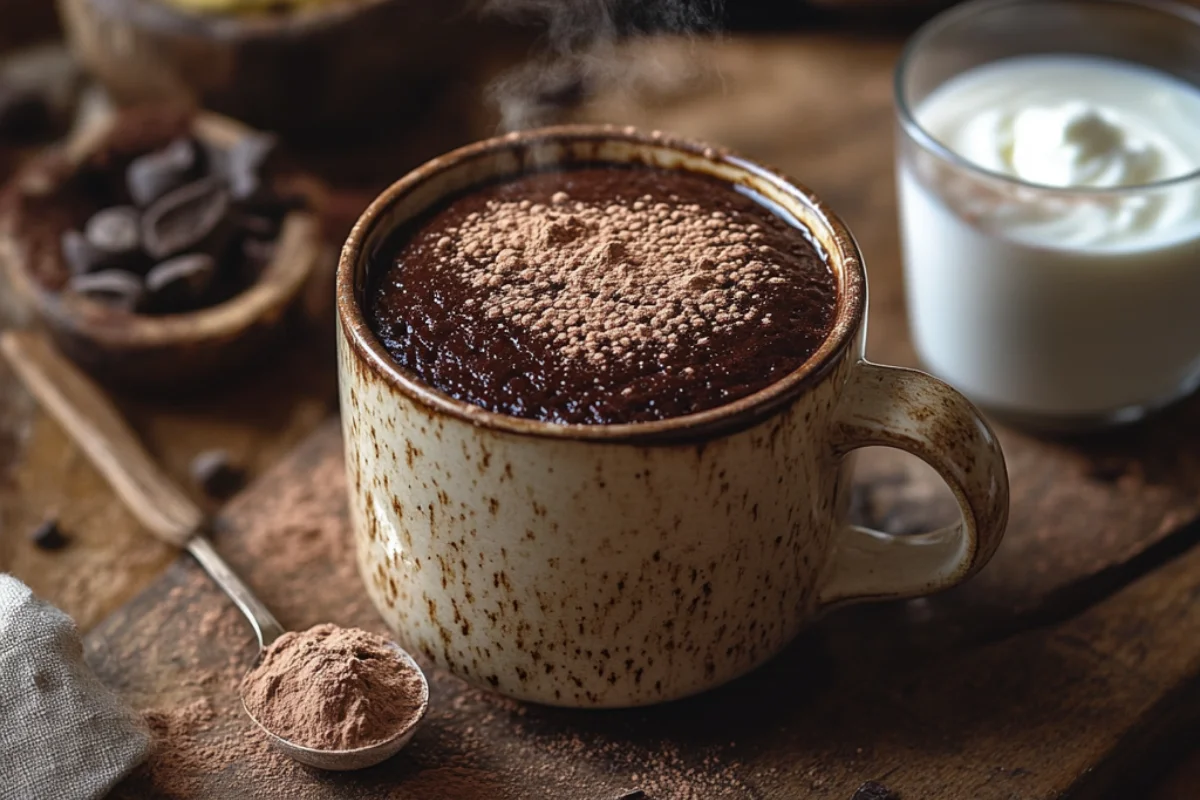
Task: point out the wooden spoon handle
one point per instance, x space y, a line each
95 424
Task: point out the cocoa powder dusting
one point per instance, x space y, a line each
333 688
603 295
598 279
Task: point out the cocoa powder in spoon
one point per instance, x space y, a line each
332 688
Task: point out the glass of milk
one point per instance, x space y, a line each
1049 186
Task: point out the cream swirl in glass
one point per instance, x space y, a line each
1052 250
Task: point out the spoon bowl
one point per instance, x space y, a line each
361 757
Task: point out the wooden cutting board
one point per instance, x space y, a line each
1051 673
963 708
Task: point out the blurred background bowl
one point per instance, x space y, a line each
161 352
322 68
24 22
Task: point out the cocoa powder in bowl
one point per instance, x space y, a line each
332 688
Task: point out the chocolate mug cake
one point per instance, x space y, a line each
582 470
603 295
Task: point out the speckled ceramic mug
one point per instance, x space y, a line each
622 565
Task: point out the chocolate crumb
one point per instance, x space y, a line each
48 536
873 790
215 473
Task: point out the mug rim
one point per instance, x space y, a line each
844 258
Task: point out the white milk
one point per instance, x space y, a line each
1038 301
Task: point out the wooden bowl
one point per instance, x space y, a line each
159 352
349 63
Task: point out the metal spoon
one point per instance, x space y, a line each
95 424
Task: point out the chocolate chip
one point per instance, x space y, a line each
151 176
246 163
24 112
636 794
873 790
214 472
115 231
185 219
78 253
48 536
180 283
112 287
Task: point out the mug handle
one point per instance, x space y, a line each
917 413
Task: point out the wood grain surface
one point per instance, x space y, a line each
1028 715
96 426
110 556
1043 675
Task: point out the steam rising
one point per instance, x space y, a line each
581 36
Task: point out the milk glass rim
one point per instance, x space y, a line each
918 134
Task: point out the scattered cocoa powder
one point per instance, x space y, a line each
597 279
196 743
333 688
190 648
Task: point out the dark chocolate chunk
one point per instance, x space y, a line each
80 256
187 218
636 794
215 473
151 176
24 112
873 790
115 231
247 162
112 287
48 536
182 282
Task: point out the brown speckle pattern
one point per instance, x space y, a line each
613 569
628 575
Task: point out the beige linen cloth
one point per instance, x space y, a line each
63 734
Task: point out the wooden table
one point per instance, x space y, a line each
756 95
